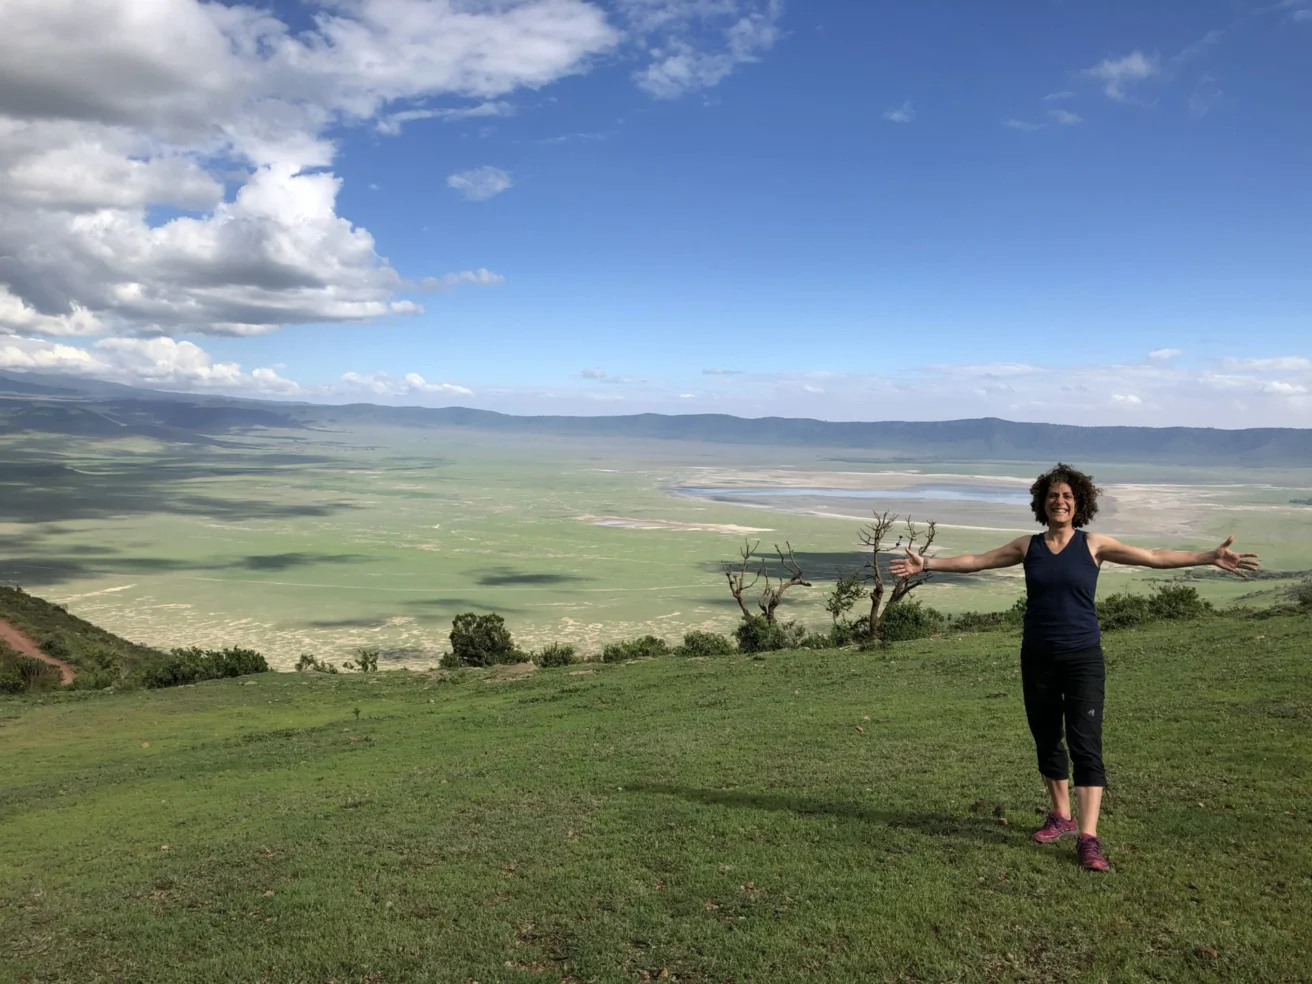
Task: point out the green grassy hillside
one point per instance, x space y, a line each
821 816
66 636
101 658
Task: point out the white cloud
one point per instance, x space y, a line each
1056 96
722 372
1285 389
482 277
1119 75
392 124
1065 117
383 384
696 44
1126 399
163 363
481 183
601 376
1279 364
1163 354
1015 124
111 109
901 114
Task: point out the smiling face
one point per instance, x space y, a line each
1060 504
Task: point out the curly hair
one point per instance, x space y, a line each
1086 494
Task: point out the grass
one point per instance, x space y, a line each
819 816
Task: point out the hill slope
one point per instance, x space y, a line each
818 816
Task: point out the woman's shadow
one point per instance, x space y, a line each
987 829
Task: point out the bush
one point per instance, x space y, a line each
366 661
189 665
705 644
482 640
100 667
309 661
759 635
642 648
910 620
22 675
1303 595
555 655
1123 611
1176 601
1012 618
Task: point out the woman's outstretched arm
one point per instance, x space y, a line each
1008 556
1107 548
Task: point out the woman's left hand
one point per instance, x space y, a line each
1236 563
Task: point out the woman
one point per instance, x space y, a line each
1062 670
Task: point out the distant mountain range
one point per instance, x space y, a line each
57 404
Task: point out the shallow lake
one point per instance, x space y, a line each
956 492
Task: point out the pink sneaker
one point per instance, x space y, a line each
1055 827
1089 851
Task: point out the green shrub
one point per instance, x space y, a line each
698 643
192 664
1303 596
308 661
1011 618
759 635
482 640
1177 601
22 675
366 661
910 620
1123 611
641 648
555 655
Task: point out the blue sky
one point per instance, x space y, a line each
1044 211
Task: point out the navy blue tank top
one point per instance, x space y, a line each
1060 616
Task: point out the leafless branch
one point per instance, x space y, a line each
737 577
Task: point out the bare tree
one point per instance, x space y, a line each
873 536
737 577
772 592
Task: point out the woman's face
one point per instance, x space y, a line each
1060 503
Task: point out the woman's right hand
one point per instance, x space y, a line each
908 566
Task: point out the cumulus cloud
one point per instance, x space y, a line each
1065 117
1126 399
1162 354
1119 75
163 363
163 162
480 183
696 44
384 384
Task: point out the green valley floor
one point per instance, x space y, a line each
828 817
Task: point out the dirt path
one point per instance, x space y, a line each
20 643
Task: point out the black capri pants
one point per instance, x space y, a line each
1069 688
